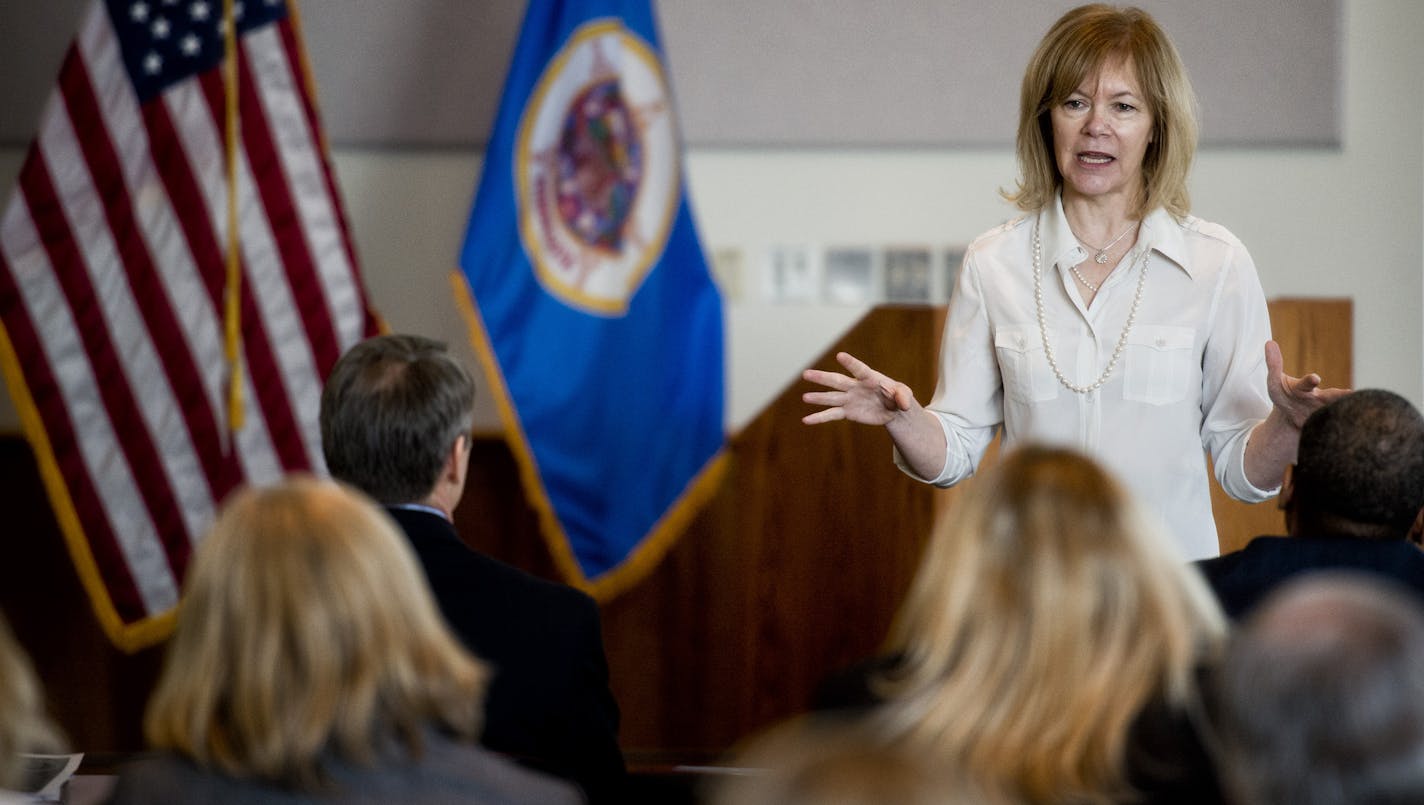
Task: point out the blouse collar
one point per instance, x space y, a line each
1160 233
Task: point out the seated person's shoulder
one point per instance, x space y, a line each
554 593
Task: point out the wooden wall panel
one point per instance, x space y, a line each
794 569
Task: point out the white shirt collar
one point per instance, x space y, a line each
1160 233
419 507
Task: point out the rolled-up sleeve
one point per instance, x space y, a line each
968 399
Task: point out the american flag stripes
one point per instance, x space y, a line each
112 281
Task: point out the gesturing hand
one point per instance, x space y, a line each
866 396
1295 397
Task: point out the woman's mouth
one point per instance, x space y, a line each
1094 158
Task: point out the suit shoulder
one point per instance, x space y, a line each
1218 568
532 585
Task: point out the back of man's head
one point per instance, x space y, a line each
1360 467
1320 698
391 411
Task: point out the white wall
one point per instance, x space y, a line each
1346 222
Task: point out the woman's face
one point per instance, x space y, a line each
1100 134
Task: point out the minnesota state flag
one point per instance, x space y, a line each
594 313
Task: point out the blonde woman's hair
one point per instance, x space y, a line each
1047 612
828 760
24 724
306 632
1077 47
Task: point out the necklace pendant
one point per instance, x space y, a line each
1101 259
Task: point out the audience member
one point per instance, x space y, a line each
1049 646
309 663
396 414
1320 698
1353 499
24 725
833 761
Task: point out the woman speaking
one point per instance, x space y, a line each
1106 318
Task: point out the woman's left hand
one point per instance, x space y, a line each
1295 398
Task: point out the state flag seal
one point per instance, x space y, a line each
596 168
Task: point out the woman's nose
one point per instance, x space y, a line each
1096 122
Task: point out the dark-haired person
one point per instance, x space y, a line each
1107 318
1353 499
396 414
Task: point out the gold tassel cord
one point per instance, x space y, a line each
232 313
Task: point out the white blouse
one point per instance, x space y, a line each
1192 373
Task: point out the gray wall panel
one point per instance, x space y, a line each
758 73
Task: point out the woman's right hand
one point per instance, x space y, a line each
865 396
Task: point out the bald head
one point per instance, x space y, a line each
1321 695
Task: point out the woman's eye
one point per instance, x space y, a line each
1126 107
1075 104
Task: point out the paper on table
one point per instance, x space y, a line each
45 775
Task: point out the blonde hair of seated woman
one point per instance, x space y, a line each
307 633
1048 611
24 724
819 760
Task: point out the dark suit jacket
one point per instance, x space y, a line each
1243 578
446 772
549 704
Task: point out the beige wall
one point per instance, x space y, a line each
1347 222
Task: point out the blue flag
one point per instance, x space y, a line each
594 312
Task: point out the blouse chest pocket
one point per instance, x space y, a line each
1023 365
1157 368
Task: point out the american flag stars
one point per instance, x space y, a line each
165 41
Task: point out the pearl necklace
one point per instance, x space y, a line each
1043 329
1083 279
1102 254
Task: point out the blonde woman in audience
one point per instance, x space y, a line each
1049 644
24 725
310 664
818 760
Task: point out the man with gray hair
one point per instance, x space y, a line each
1320 697
396 414
1353 499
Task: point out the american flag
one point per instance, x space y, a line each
112 283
